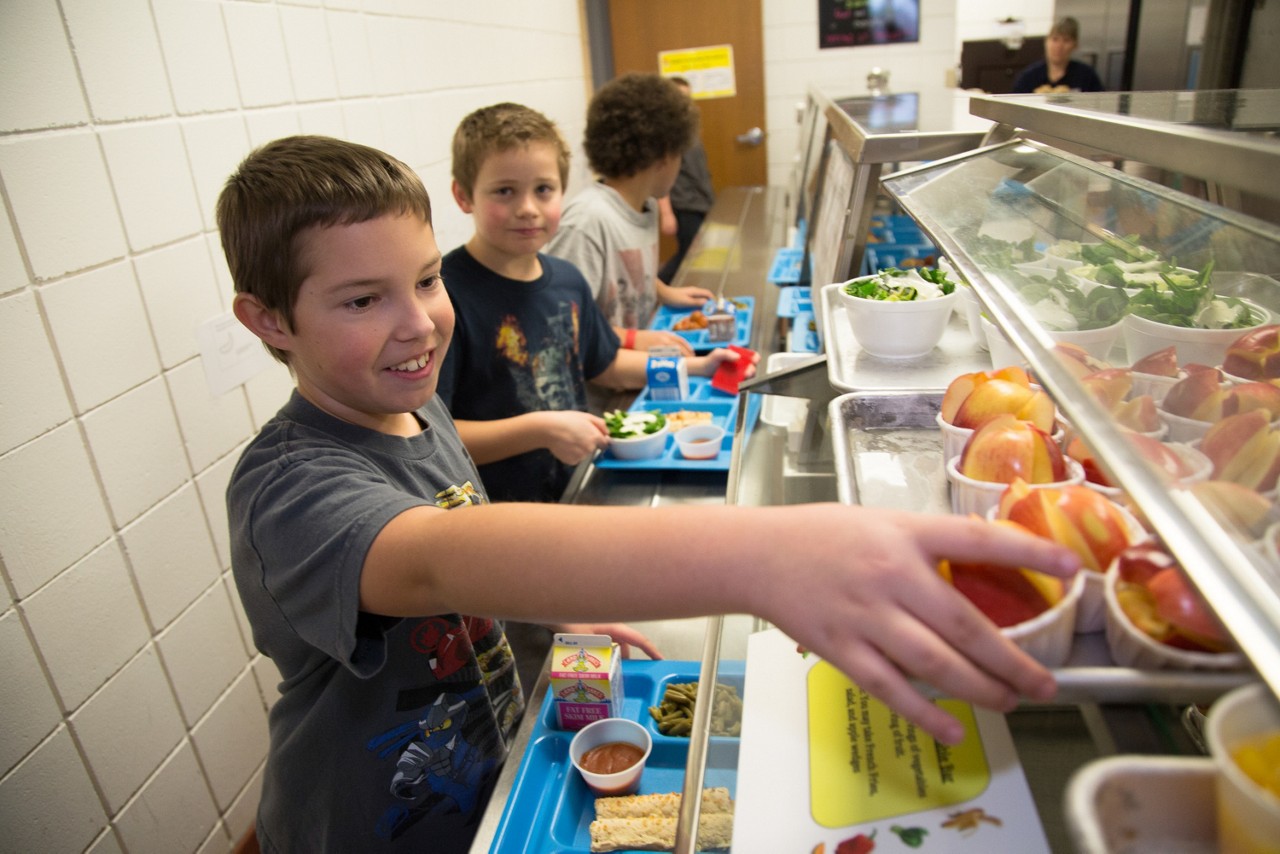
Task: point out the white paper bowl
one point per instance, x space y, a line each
647 447
972 307
1096 342
979 496
1048 636
1131 647
953 437
898 330
1152 384
606 731
1200 346
1248 815
1183 429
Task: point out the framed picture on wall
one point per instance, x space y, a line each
852 23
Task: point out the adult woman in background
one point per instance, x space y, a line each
1058 72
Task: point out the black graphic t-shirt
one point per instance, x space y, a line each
521 347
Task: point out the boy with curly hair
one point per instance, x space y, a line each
638 128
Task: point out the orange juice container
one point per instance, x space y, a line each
586 679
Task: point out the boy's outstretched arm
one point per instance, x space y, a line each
682 297
571 436
857 586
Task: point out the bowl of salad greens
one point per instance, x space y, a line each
899 314
637 434
1183 310
1086 314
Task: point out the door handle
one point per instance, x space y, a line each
755 136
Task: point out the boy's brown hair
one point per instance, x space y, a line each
293 184
497 128
636 120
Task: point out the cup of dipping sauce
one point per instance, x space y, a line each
610 755
700 441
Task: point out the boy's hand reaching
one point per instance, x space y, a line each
572 436
623 635
647 338
875 607
705 366
687 296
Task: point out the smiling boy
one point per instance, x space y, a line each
375 573
529 336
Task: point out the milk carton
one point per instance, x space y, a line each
668 376
586 679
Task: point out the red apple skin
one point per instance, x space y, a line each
1244 449
1077 360
1075 516
1161 363
962 386
1255 355
1162 456
1198 395
1182 607
1004 448
1253 395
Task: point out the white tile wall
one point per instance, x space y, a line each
48 802
120 84
96 596
177 789
62 201
128 728
144 158
172 556
138 450
28 372
27 703
135 705
51 510
202 652
41 89
232 740
101 333
180 291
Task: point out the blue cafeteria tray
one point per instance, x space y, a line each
792 301
879 256
665 317
550 809
803 335
786 266
702 396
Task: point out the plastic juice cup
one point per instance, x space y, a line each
606 731
700 441
1248 815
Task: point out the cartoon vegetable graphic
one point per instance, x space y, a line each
912 837
860 844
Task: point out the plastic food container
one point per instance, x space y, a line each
1201 346
1248 815
1142 805
700 441
607 731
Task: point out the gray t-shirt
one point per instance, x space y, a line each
389 731
616 248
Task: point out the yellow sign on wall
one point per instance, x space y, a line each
709 70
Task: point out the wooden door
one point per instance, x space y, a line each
641 28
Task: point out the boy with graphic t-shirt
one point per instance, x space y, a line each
528 337
374 573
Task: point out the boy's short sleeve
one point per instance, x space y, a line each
583 249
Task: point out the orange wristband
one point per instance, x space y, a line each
630 340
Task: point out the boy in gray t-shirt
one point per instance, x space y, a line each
374 572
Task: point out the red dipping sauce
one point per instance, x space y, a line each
611 758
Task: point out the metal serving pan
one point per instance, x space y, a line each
888 453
